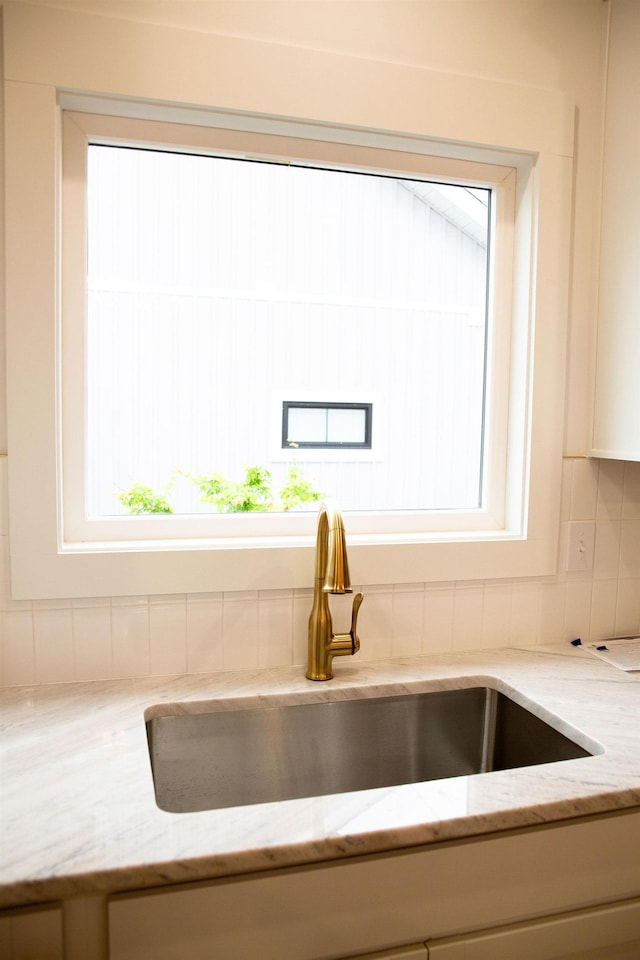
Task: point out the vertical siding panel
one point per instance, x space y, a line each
171 370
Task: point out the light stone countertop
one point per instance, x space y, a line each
77 807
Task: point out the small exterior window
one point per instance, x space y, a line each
333 425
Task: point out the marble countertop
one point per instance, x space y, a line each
77 806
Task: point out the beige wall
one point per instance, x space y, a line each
554 44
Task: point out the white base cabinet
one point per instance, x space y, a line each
31 933
449 890
606 933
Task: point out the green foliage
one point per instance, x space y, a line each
139 499
297 490
252 494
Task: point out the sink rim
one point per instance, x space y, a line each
365 691
286 773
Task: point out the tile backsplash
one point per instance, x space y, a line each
62 640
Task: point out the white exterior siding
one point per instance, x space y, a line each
372 294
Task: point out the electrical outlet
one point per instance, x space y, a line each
580 545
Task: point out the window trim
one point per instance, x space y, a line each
82 534
534 128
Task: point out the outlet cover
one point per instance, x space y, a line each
580 545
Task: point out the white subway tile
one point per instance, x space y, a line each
563 541
408 620
53 636
496 615
168 636
302 601
525 604
438 620
606 560
275 629
92 642
242 596
130 638
81 603
630 549
204 633
551 612
467 618
584 489
627 619
577 610
565 489
17 652
603 609
52 604
141 602
610 489
240 631
631 491
5 587
375 623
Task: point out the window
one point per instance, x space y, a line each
215 282
332 425
57 548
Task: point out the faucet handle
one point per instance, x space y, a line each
357 601
348 643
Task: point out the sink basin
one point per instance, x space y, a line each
232 757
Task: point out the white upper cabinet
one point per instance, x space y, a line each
616 426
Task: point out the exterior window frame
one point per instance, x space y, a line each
364 444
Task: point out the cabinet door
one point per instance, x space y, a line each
607 933
417 951
616 427
31 934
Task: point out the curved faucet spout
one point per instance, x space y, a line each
332 565
331 576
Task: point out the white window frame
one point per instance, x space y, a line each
44 561
79 533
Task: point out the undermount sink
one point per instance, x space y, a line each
233 757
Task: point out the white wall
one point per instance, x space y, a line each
557 45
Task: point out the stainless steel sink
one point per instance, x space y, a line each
233 757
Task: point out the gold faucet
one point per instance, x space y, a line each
331 576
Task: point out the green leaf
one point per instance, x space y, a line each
140 499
